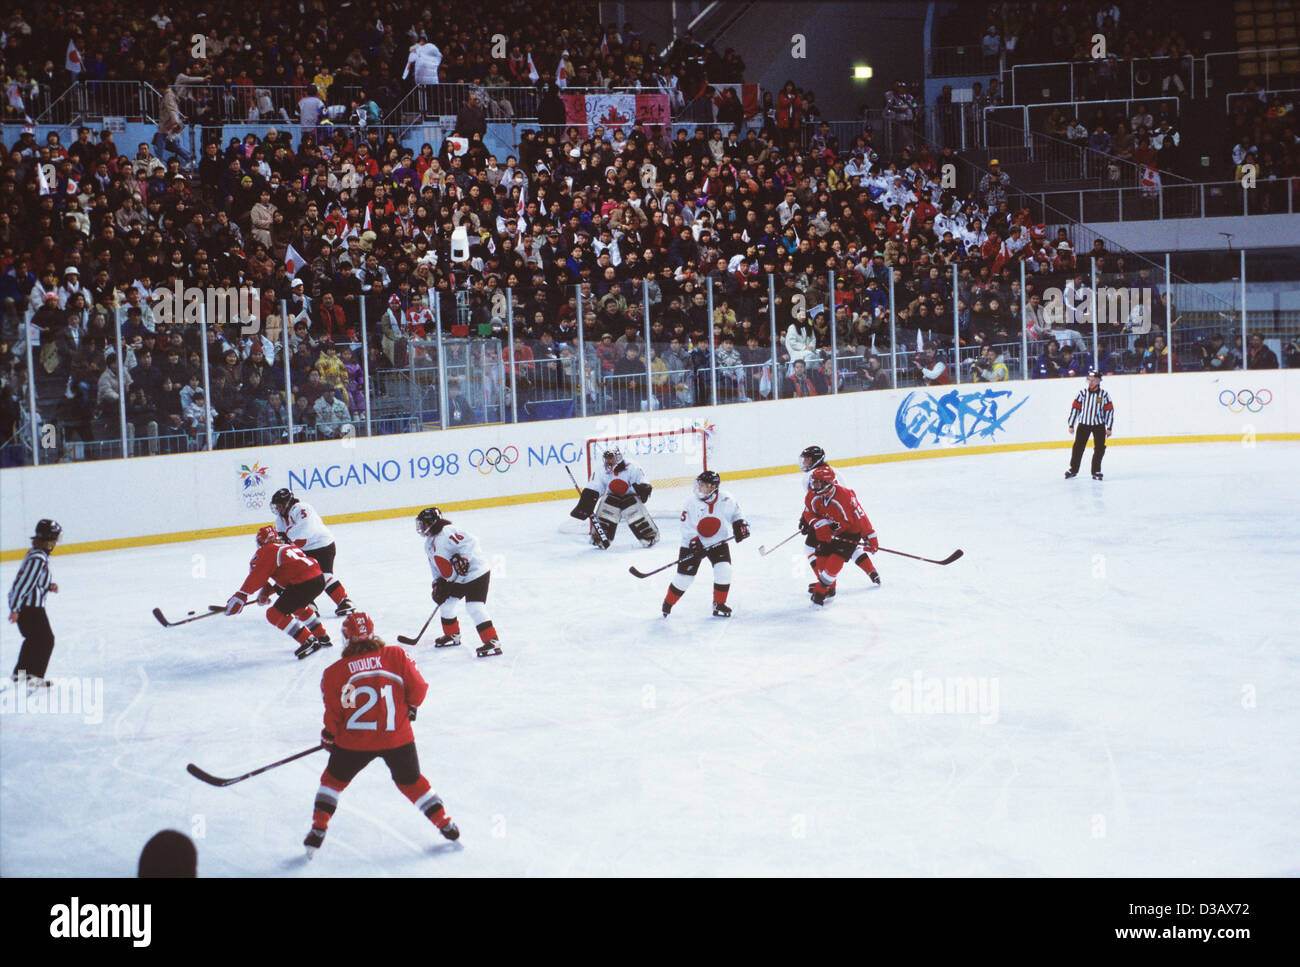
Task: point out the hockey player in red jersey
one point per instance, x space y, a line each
283 568
371 694
835 525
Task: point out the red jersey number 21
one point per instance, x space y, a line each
372 698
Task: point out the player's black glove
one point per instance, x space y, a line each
586 504
740 529
805 528
441 591
327 739
696 549
642 491
460 563
410 712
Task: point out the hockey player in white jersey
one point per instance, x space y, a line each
459 571
617 490
705 519
298 523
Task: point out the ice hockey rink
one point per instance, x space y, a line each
1106 684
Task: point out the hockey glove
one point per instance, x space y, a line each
327 739
460 563
642 491
441 591
236 603
586 504
740 529
697 549
410 712
873 542
264 596
805 528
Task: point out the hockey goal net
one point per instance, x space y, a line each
671 459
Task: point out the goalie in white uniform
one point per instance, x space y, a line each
705 519
616 491
459 571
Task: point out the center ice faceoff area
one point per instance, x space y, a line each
1105 684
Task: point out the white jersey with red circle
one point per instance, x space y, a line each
617 483
302 527
446 546
709 520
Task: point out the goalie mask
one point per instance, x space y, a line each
613 459
811 458
706 485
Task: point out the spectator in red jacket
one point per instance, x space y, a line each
330 323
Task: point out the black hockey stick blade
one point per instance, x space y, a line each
403 639
645 574
212 609
212 780
928 560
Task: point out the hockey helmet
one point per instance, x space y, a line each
47 530
283 498
811 458
358 627
1093 374
823 480
706 484
613 458
429 521
267 535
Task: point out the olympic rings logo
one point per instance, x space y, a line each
493 458
1245 400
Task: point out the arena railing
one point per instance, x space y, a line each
1148 77
1160 202
472 361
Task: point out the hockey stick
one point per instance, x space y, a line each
645 574
573 480
947 560
764 551
416 640
212 780
212 609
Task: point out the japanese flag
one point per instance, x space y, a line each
293 262
366 225
458 146
41 181
561 75
532 70
72 60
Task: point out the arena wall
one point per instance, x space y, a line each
163 499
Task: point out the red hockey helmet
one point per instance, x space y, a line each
266 535
358 627
822 480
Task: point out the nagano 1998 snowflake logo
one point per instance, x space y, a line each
253 479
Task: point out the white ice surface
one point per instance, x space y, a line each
1141 634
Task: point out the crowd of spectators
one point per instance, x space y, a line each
1055 31
1262 133
283 61
569 219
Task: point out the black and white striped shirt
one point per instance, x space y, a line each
1092 408
33 581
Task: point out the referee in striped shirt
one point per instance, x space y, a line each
27 605
1091 413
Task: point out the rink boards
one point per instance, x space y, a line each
155 500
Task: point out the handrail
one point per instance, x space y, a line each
1258 95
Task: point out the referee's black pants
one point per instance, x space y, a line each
38 642
1081 434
